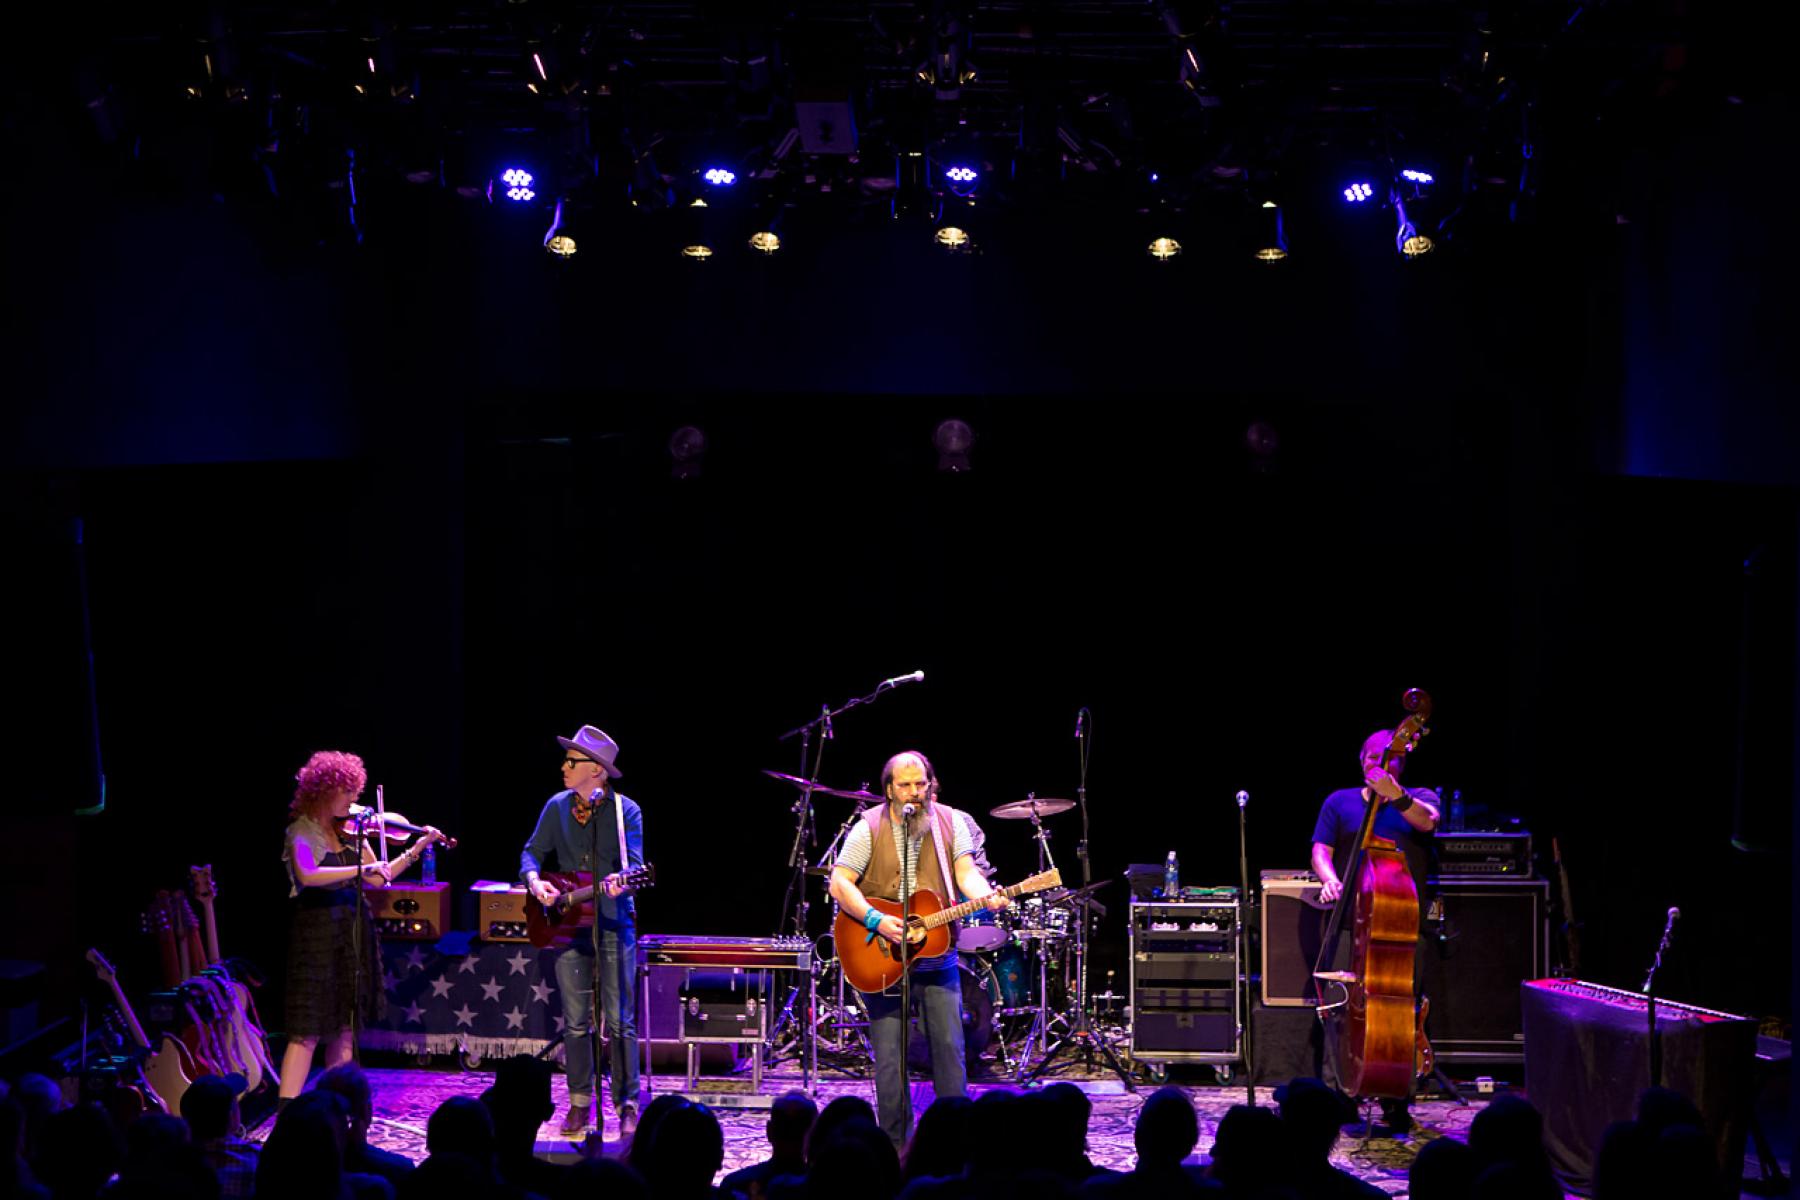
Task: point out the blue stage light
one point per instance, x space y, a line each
1417 176
1356 193
962 174
719 176
518 184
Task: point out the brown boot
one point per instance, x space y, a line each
581 1117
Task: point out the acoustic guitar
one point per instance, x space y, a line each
876 965
240 1032
557 924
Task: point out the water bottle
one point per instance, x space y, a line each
428 864
1454 822
1171 878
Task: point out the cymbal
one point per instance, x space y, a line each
820 789
1021 810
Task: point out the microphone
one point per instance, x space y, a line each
907 811
1080 721
1670 927
1243 798
896 681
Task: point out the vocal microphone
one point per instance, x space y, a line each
1080 721
896 681
1670 927
1243 798
907 811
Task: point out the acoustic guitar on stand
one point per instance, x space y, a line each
875 966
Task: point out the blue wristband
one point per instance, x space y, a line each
872 919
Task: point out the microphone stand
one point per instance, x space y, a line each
906 882
1650 1000
1243 949
1080 1030
804 832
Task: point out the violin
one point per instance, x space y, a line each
390 825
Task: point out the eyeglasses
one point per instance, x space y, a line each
569 762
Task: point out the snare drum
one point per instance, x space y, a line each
1037 919
983 931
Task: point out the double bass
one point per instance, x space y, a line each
1380 1023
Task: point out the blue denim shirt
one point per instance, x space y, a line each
591 847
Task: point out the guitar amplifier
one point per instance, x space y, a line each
499 910
1293 929
410 912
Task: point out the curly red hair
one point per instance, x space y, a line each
324 773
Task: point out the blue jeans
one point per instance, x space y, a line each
937 996
618 1001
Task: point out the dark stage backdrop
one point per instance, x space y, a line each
1233 622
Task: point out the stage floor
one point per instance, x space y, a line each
405 1099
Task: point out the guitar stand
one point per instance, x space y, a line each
1448 1084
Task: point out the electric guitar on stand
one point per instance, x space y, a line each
168 1068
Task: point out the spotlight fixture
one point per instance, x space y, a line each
1164 249
951 237
1271 238
518 184
765 241
557 239
687 447
1358 192
697 252
1413 176
961 174
953 439
719 176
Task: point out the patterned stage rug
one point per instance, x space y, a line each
405 1098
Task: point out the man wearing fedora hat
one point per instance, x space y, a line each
590 826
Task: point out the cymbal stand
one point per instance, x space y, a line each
1081 1034
1039 1034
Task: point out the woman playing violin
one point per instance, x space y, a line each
334 958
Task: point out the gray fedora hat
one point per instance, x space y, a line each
596 745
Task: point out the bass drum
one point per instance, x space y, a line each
978 991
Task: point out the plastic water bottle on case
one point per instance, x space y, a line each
1171 878
428 865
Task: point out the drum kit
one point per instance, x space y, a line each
1021 966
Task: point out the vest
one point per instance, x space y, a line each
882 879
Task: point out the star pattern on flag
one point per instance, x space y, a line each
502 991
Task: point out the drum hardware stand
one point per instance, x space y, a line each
1081 1033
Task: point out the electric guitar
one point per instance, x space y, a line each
876 965
168 1069
558 924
